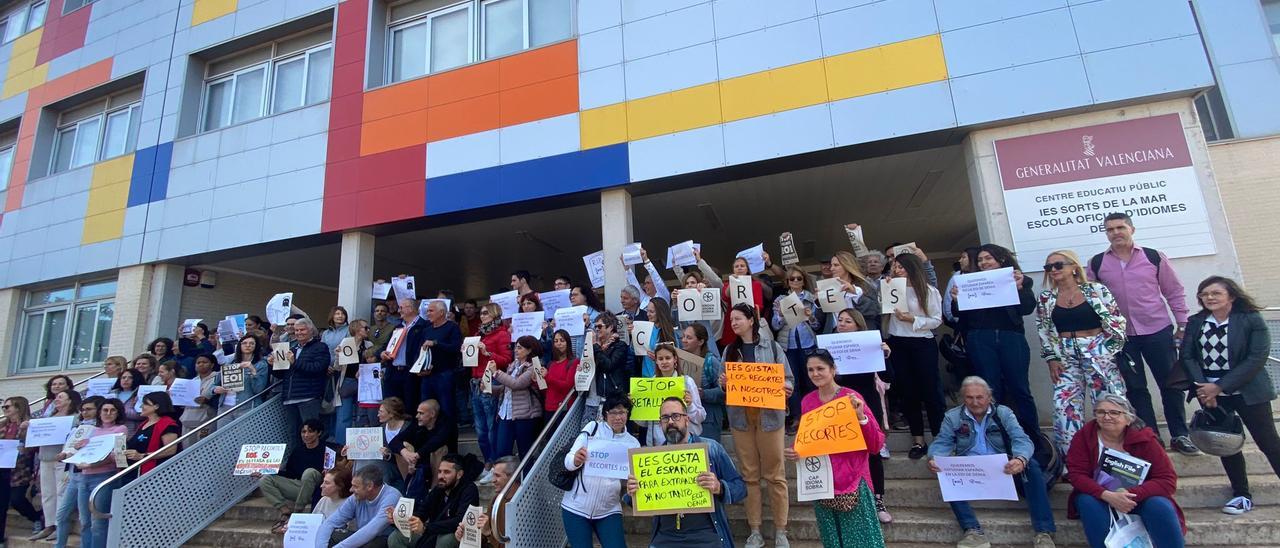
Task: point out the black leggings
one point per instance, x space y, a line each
17 497
1257 418
865 385
915 363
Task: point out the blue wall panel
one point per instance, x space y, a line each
1147 69
1020 91
1115 23
1009 43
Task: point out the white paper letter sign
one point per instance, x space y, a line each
830 296
507 302
526 323
740 291
857 352
814 480
975 478
986 289
640 333
792 309
347 352
595 268
471 352
302 531
687 302
893 295
282 356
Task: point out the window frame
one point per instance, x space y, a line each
134 108
34 316
6 173
24 22
425 18
86 3
484 28
266 106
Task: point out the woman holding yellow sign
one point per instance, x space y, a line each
849 519
668 365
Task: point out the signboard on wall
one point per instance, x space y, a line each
1059 186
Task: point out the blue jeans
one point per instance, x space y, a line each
1037 504
439 386
579 529
344 416
1158 515
93 531
484 411
1002 358
516 433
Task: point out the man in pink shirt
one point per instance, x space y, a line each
1147 290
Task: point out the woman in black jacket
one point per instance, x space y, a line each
614 360
1224 350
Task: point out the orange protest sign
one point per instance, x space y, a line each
755 385
830 429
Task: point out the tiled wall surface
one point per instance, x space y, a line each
646 89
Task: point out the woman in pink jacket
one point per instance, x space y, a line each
849 519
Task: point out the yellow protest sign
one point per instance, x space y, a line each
647 396
755 385
830 429
668 479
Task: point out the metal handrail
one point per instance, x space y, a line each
93 497
73 385
528 460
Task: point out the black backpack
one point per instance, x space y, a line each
1045 454
1153 256
559 477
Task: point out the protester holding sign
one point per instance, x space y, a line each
856 290
126 390
158 429
53 475
695 340
347 380
250 361
290 489
664 331
438 512
983 427
669 365
1116 427
613 355
995 341
915 351
335 330
401 352
560 371
519 411
582 295
1081 331
758 434
15 482
703 277
594 504
872 390
797 325
740 268
442 337
851 518
206 403
367 509
305 378
494 347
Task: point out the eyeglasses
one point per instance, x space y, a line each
1207 294
5 406
1057 265
672 417
617 413
1109 413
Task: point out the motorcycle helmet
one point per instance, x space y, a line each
1217 432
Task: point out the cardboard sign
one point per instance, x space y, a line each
595 268
754 256
830 296
97 450
647 395
830 429
694 364
404 288
987 289
369 383
640 333
508 302
400 516
814 480
99 387
788 244
538 379
587 365
975 478
740 291
51 430
189 327
471 352
348 353
631 254
856 352
302 530
792 309
570 320
380 290
184 392
755 385
282 356
668 479
364 443
553 301
681 254
893 295
470 531
279 308
233 378
261 458
856 239
607 459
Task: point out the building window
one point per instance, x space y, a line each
69 6
7 144
66 327
1272 9
283 75
1212 112
27 17
426 36
101 129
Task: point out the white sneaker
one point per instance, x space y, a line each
780 541
884 451
756 540
486 478
1237 506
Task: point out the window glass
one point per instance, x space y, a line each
17 25
82 335
96 290
135 121
289 80
6 166
66 141
549 21
303 42
450 40
116 139
36 20
409 52
248 95
85 151
31 341
102 337
67 326
1272 9
232 64
319 75
503 27
405 10
217 105
51 296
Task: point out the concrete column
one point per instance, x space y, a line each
615 233
165 301
10 320
355 273
132 307
993 222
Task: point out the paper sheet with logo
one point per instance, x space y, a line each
470 531
279 308
364 443
404 288
51 430
302 530
986 289
856 352
814 479
261 458
96 450
403 511
975 478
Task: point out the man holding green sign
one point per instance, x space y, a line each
685 484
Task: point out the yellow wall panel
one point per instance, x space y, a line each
855 73
746 96
112 171
100 228
107 198
914 62
208 10
698 106
24 81
28 42
603 126
799 85
649 117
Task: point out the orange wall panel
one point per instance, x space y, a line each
396 99
464 83
463 117
538 101
395 132
539 65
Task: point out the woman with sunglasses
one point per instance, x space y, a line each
15 482
1081 330
495 346
915 350
800 339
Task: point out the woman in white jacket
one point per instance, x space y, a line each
594 504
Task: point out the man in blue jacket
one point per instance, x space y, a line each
721 479
304 379
981 427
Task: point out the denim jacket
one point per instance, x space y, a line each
732 489
957 435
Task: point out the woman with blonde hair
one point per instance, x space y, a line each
860 293
1081 331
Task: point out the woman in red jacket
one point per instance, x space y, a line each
1123 436
495 346
561 369
740 268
